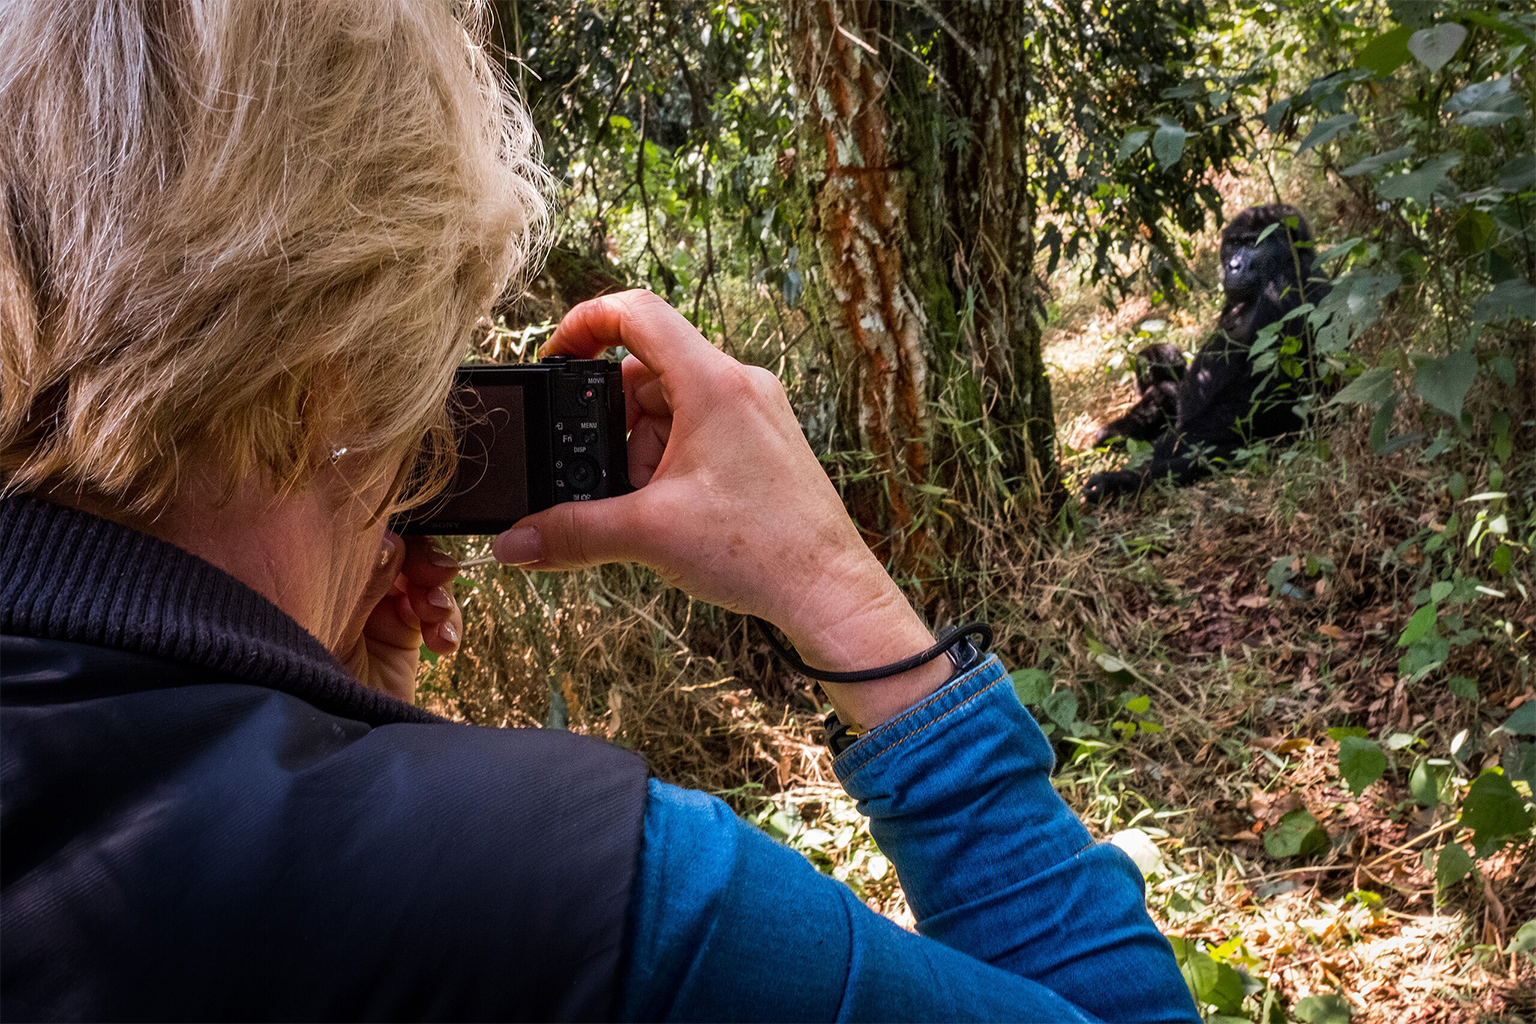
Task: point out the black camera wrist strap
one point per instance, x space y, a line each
954 641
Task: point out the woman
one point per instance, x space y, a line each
243 245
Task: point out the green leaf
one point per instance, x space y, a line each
1372 387
1372 164
1333 252
1327 1008
1386 53
1381 423
1434 47
1296 835
1361 762
619 121
1512 298
1211 983
1452 866
1168 144
1519 763
1031 684
1522 721
1134 140
1061 708
1327 130
1524 940
1475 231
1494 811
1422 183
1419 626
1484 104
1462 686
1339 733
1140 705
1519 173
1444 383
1276 111
1427 781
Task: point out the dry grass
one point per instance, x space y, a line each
1246 682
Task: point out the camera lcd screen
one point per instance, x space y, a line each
494 436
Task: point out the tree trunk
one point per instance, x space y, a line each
877 327
926 249
994 254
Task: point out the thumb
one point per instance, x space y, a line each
574 535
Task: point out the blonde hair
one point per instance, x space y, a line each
243 233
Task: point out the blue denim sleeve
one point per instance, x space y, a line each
1021 916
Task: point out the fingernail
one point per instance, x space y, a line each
438 597
442 559
387 549
518 547
450 632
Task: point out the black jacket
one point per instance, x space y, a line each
202 816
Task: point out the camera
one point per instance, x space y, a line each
531 435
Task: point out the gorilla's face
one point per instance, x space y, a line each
1256 250
1247 264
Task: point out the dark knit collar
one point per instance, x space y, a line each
70 575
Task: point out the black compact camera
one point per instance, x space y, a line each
531 435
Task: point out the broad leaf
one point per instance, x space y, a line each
1434 47
1444 383
1522 721
1327 130
1519 763
1061 708
1134 140
1326 1008
1419 626
1420 184
1493 810
1361 762
1168 144
1427 781
1451 867
1484 104
1524 940
1031 684
1519 173
1372 387
1296 835
1372 164
1512 298
1386 53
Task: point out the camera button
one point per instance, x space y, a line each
582 475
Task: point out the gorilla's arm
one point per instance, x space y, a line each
1155 413
1174 458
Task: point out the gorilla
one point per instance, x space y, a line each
1221 403
1159 368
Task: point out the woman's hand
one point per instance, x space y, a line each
408 602
732 506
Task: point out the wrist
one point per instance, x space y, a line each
861 625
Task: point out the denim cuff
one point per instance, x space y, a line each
934 711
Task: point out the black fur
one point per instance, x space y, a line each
1159 368
1221 404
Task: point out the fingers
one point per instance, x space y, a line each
576 534
658 335
647 444
410 597
394 623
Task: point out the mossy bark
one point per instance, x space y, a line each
925 240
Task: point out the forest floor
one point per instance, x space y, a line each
1255 611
